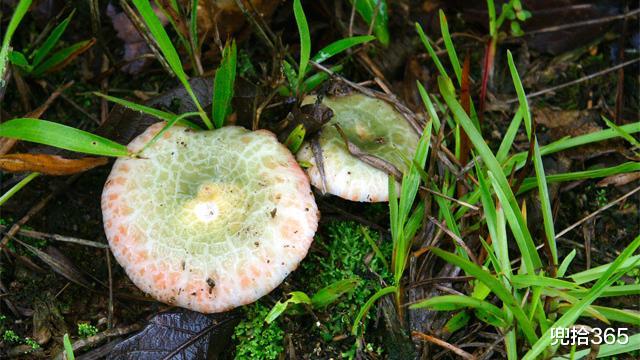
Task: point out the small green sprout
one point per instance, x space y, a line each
10 336
86 330
32 343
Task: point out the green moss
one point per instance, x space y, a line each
254 338
343 254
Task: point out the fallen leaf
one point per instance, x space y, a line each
619 179
59 263
180 335
48 164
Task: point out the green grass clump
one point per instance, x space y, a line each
342 255
254 338
86 330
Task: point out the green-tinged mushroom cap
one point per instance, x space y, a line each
377 129
208 220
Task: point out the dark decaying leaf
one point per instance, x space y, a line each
179 335
124 124
48 164
58 263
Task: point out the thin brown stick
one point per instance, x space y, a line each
583 23
574 225
444 344
456 238
577 81
45 236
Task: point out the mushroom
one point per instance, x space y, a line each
208 220
377 129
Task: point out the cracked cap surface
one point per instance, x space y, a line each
377 129
208 220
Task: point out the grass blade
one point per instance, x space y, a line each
448 44
305 40
332 292
51 40
19 12
169 52
223 85
365 308
431 110
530 183
339 46
375 10
63 57
61 136
162 115
543 191
499 180
432 53
611 274
496 286
597 272
68 348
17 187
457 302
565 263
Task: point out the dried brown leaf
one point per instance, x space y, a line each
48 164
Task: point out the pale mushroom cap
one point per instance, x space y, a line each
377 129
208 220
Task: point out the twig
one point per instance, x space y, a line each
34 210
98 338
583 23
456 238
574 225
44 236
459 202
577 81
444 344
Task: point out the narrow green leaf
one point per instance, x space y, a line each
61 136
496 286
621 132
295 138
457 302
332 292
530 183
457 322
162 115
611 275
509 136
543 191
168 51
317 79
339 46
305 40
597 272
365 308
51 40
501 185
60 56
17 58
297 297
528 280
431 110
367 9
68 348
223 85
448 44
19 12
432 53
17 187
562 269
